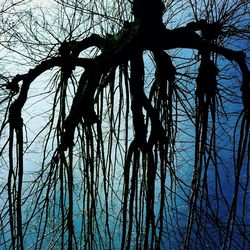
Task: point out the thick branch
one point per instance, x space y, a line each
186 38
119 49
137 92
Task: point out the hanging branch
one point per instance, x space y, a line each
137 94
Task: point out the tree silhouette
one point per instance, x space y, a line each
142 131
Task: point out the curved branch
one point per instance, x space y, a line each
185 37
115 51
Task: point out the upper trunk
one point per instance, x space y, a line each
148 15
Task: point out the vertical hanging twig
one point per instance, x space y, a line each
16 125
205 93
70 224
10 187
19 135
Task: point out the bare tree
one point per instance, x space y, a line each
135 115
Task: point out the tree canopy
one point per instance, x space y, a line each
124 124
